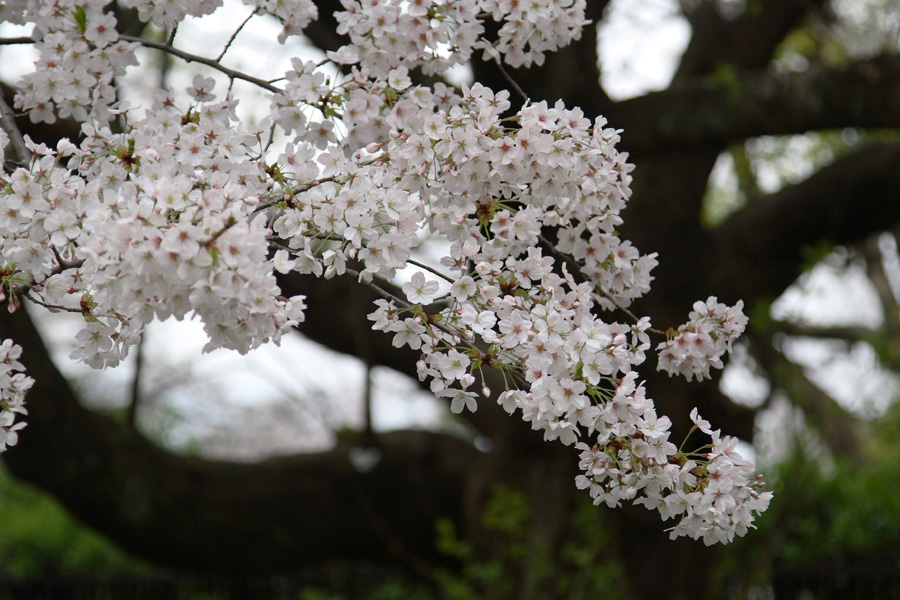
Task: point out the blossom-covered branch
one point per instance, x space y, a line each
188 210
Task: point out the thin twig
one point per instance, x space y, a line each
202 60
510 80
131 415
430 270
8 119
379 290
271 138
30 297
404 304
235 34
171 39
14 41
548 245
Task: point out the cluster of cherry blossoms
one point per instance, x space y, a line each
157 221
633 459
182 210
79 57
387 33
13 386
701 342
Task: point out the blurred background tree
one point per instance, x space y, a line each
766 145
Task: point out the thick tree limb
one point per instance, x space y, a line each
205 516
825 414
746 42
703 113
849 333
758 252
323 33
332 321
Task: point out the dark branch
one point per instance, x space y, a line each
841 204
746 42
702 113
187 513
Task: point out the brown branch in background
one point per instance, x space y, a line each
701 111
131 415
747 42
363 351
830 419
879 253
843 203
850 333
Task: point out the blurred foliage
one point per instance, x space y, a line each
851 509
40 539
516 563
828 511
766 164
513 564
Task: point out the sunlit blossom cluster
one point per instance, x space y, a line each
182 210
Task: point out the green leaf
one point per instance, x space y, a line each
725 75
80 18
